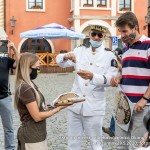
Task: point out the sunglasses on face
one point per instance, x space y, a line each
93 34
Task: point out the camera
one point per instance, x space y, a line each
118 51
3 46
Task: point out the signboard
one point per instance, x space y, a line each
114 40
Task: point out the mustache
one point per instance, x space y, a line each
130 36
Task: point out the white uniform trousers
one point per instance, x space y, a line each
91 125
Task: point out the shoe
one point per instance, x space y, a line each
108 131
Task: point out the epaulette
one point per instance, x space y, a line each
108 49
80 46
85 45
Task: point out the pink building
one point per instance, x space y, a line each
75 14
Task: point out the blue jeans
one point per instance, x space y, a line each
7 122
112 125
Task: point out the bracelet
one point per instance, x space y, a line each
145 98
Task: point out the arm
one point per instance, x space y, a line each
12 46
139 106
104 80
119 66
116 80
27 97
39 116
67 59
62 62
119 59
101 80
147 93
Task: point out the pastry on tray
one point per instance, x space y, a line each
67 99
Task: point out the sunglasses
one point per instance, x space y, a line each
93 34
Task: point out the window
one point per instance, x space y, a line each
124 5
101 3
72 5
35 4
87 3
36 46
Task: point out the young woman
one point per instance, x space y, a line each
31 105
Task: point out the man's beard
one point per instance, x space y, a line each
127 39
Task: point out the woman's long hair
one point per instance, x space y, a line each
27 60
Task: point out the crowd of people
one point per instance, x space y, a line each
96 68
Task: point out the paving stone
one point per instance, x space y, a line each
51 85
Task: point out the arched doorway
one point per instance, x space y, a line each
36 46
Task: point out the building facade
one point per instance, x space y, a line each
2 13
75 14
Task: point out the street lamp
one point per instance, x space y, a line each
12 23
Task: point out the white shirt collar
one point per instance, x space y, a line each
143 38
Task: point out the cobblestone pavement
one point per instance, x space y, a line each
51 86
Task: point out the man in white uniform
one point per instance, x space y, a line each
95 67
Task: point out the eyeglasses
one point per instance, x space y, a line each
93 34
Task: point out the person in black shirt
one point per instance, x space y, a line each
6 63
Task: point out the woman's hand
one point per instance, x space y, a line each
61 107
49 107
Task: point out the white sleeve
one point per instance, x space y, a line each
62 63
66 63
104 80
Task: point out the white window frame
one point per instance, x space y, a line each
72 6
89 4
106 4
132 7
35 10
95 6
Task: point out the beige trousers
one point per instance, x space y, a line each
37 146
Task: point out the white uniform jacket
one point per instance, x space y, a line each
100 64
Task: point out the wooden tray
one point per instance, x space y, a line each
67 99
68 102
